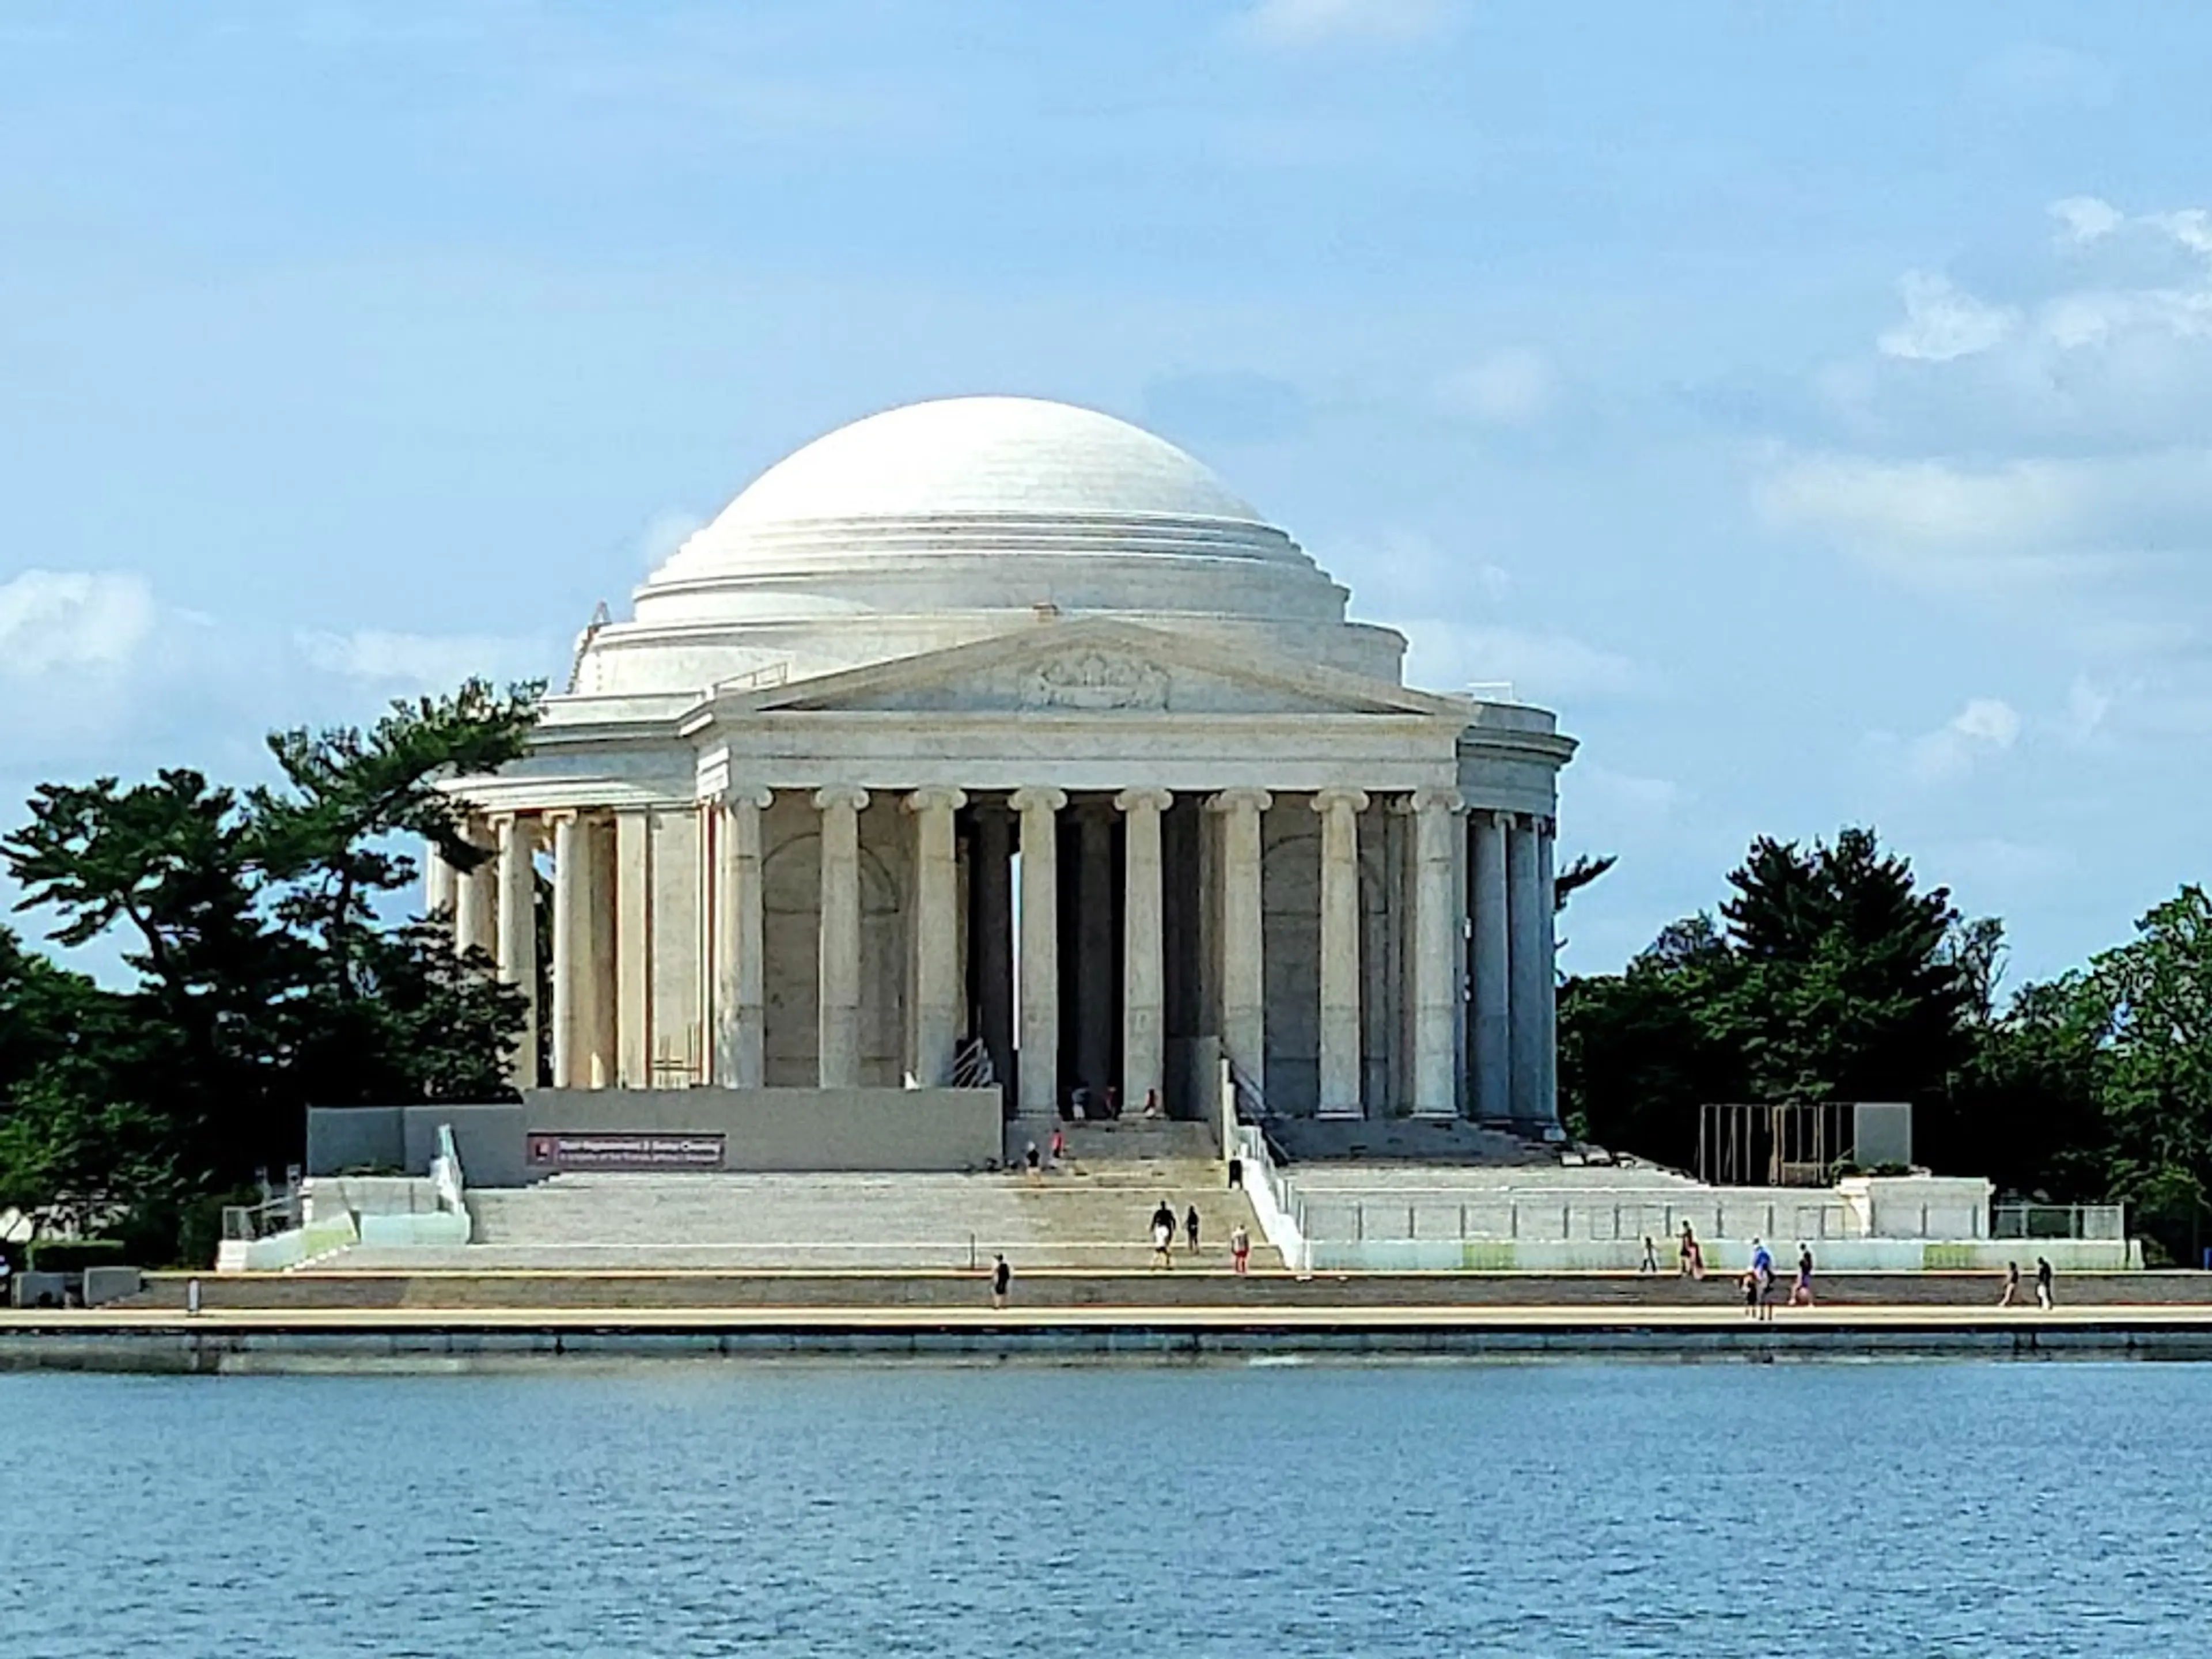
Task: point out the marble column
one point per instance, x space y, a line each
838 1040
1039 968
991 934
1094 947
599 1014
633 851
740 978
936 933
476 903
1492 1061
1438 848
1546 1017
518 933
572 956
1244 932
1340 1090
440 885
1143 975
1530 924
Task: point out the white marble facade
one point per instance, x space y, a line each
995 727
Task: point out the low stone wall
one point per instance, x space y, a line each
763 1130
786 1130
1723 1257
1203 1284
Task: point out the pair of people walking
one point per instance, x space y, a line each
2044 1277
1163 1233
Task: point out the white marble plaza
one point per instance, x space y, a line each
993 727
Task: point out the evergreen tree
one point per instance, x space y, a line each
267 977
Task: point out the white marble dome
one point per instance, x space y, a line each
942 522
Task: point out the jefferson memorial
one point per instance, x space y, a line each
991 741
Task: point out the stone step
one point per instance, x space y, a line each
1083 1215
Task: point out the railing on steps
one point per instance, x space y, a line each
1274 1202
972 1067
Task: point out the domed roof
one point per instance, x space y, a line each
956 519
984 455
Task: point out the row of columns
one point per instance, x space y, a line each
1481 974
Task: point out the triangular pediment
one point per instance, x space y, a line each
1089 667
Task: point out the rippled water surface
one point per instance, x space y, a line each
702 1508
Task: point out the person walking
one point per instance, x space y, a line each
1030 1159
1762 1270
1240 1248
1059 1146
1002 1277
1801 1293
1164 1233
2011 1296
2043 1297
1190 1228
1692 1258
1650 1256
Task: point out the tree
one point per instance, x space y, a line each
1829 976
268 978
2157 1086
1849 990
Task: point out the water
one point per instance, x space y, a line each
697 1508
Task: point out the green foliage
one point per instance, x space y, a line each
1836 978
72 1255
1832 980
267 979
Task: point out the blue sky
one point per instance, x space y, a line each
1812 403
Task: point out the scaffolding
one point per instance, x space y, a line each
1744 1144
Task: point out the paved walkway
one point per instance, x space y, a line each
983 1317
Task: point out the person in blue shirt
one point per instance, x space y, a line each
1762 1270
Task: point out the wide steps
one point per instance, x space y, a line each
1084 1214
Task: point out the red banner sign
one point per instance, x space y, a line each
630 1151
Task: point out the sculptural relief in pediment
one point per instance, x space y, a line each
1094 680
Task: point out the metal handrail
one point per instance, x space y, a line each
2030 1221
972 1067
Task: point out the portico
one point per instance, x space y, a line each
995 739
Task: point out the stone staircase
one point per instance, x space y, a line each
1092 1214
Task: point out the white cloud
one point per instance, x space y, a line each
1984 726
1942 524
1943 321
2086 218
52 619
2087 705
1297 24
1510 387
1538 667
428 662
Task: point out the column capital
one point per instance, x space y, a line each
1432 801
1239 800
553 817
1130 800
937 796
833 795
1328 800
740 795
1039 797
